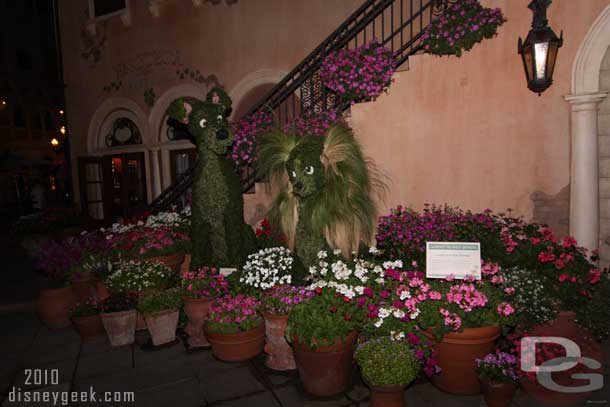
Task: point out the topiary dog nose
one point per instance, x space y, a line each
298 185
222 134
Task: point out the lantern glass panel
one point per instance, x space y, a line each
541 50
553 49
528 63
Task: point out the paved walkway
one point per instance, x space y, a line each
171 377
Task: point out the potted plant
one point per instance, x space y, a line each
497 373
323 331
200 288
138 278
460 27
86 319
268 268
277 303
234 329
99 268
119 318
359 74
161 311
387 366
55 302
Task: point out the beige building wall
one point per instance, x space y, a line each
467 131
244 45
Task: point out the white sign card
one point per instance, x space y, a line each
456 258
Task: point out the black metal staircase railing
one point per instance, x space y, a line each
396 24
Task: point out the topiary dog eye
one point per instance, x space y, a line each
309 170
293 174
219 118
202 122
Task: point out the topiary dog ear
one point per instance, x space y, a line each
217 96
179 110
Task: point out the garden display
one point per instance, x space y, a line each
326 192
498 375
234 329
461 26
161 311
387 365
219 235
277 303
86 319
200 288
119 318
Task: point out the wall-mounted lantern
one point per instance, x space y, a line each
539 50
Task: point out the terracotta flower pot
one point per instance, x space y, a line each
279 352
173 261
388 396
237 347
456 354
197 311
54 306
88 327
327 370
140 321
162 326
564 326
497 394
83 287
102 290
120 327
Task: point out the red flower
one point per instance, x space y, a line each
347 317
333 308
318 290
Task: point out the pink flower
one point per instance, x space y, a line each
505 309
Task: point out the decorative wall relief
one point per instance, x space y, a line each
147 70
149 97
123 132
195 75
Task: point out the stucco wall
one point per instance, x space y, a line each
467 131
230 42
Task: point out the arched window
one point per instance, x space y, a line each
123 132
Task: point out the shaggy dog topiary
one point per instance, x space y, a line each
326 191
219 235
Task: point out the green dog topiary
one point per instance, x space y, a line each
326 191
219 235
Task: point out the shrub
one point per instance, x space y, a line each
384 361
160 301
267 268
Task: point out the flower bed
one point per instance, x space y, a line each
246 132
267 268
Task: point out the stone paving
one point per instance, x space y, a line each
171 377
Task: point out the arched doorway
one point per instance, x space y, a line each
114 179
589 190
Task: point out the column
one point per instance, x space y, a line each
156 172
584 168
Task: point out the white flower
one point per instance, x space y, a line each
379 323
322 254
384 313
398 313
336 252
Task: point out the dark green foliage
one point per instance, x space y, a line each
384 361
324 319
219 236
595 314
326 191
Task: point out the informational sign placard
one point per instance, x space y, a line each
453 258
